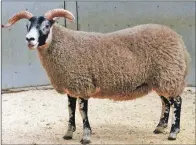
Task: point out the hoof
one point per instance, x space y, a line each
86 136
172 136
67 137
84 141
156 131
159 130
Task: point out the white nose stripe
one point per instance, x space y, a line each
33 33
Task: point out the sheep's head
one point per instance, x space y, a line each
39 28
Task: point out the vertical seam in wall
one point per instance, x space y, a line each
195 36
77 15
65 23
1 68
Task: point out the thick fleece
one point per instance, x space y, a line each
121 65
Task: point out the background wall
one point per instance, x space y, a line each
21 67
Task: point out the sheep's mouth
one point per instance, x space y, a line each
32 46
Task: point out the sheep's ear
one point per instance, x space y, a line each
52 22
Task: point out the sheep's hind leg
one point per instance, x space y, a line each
175 128
164 116
83 107
71 124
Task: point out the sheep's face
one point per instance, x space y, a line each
39 31
39 28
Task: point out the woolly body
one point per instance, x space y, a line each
121 65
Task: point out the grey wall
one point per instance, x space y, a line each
21 67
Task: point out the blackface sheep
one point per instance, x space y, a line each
122 65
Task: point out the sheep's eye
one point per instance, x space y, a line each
47 26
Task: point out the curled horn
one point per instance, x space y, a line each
50 15
17 17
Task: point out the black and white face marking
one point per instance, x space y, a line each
39 31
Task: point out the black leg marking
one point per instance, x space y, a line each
175 128
83 107
164 116
71 124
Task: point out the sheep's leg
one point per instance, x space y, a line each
83 107
164 116
71 124
175 128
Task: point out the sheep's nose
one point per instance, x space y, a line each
30 39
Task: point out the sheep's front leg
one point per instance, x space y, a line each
164 116
175 128
71 124
83 107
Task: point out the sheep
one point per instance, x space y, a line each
121 65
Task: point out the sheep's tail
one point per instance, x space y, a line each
187 60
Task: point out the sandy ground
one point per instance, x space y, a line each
40 117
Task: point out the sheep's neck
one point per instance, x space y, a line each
60 34
45 46
57 31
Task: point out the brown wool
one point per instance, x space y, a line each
121 65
